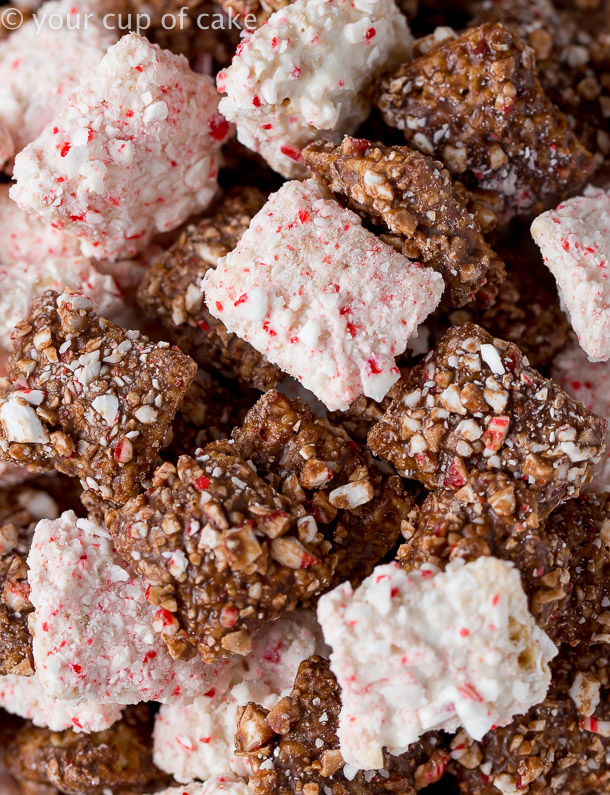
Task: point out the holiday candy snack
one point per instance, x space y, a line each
109 652
564 562
134 151
589 383
40 65
171 291
26 697
414 197
223 552
575 243
427 651
217 785
309 69
35 257
474 404
320 296
293 747
476 104
88 398
357 510
558 746
116 760
197 741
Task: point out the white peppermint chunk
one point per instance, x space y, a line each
25 696
21 423
428 650
141 167
320 296
307 70
196 741
218 785
93 634
589 383
575 244
41 64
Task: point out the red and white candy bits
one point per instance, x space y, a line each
26 697
589 383
196 741
134 151
305 73
320 296
93 628
427 650
218 785
41 64
575 243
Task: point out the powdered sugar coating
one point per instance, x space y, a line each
589 383
133 152
26 697
196 741
575 243
307 70
320 296
218 785
93 628
41 64
426 650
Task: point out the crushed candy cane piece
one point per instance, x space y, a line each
134 151
26 697
575 243
196 741
93 628
320 296
406 666
306 70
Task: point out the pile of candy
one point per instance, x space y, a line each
304 397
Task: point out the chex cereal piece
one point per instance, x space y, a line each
134 151
589 383
494 127
117 760
424 651
414 197
171 291
89 398
571 48
575 243
26 697
564 563
217 785
559 747
93 628
40 66
197 741
223 551
321 296
358 510
474 404
308 70
20 508
35 257
293 745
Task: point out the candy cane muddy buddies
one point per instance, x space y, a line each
304 369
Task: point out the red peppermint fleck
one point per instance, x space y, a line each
45 627
303 216
275 42
565 243
373 364
370 34
464 632
203 325
78 669
150 655
219 306
77 723
219 128
201 483
65 149
242 299
210 694
296 72
229 617
291 152
256 101
470 692
165 616
267 126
